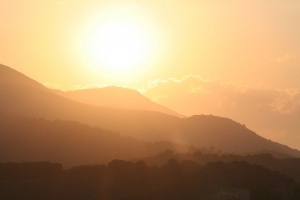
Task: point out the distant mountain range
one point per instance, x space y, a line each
24 96
116 97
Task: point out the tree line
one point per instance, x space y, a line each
121 179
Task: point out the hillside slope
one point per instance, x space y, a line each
24 139
147 125
117 97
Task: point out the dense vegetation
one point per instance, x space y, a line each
287 166
127 180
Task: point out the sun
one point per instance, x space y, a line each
118 45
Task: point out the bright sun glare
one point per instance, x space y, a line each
118 45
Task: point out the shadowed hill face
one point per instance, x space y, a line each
25 139
151 126
116 97
223 133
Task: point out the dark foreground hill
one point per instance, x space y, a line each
29 98
24 139
116 97
136 181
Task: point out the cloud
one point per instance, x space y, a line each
215 93
288 101
74 87
90 86
155 82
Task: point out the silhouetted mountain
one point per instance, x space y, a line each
11 76
23 139
228 135
116 97
25 99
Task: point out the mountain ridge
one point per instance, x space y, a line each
117 97
71 143
12 76
201 130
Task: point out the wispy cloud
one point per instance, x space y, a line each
288 101
90 86
218 93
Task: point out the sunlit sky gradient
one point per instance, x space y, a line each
250 42
233 58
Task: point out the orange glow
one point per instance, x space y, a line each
118 44
195 57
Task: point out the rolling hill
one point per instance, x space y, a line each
29 98
24 139
116 97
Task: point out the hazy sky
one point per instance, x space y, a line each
244 42
233 58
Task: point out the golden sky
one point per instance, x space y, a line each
233 58
249 42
